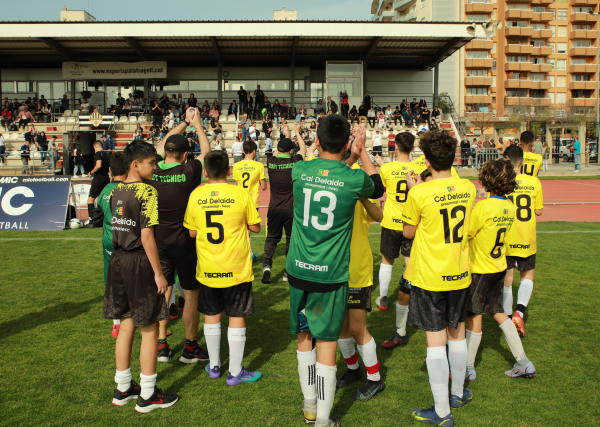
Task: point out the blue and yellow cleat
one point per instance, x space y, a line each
254 256
429 416
457 402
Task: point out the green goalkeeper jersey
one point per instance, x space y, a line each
104 204
325 195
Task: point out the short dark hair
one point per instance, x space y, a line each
216 163
333 133
138 150
98 142
249 146
514 153
425 174
405 141
439 148
498 177
527 137
117 164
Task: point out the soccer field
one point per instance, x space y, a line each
57 363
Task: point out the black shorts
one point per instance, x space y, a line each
391 148
486 293
393 243
183 260
360 298
432 311
522 264
377 150
236 301
405 286
98 184
131 290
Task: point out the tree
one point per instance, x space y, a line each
481 116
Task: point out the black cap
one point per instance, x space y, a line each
181 144
285 145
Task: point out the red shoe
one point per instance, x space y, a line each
382 303
519 324
115 330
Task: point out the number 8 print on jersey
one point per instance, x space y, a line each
521 240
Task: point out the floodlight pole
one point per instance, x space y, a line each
597 85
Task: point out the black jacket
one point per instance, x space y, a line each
332 107
242 95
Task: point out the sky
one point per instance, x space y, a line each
193 10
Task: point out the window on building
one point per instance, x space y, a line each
494 65
561 98
205 85
551 96
582 27
561 81
517 6
582 43
551 62
551 80
538 9
516 23
516 76
477 73
478 18
514 58
538 27
561 64
561 1
581 78
551 46
477 91
562 48
537 93
25 87
517 93
562 14
537 43
538 60
553 14
8 87
578 61
582 9
553 28
562 32
477 54
537 77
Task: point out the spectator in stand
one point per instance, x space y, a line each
120 99
381 122
397 115
2 149
242 97
436 114
259 95
376 143
423 128
53 153
465 151
371 117
205 114
38 111
276 113
41 142
171 117
151 96
216 131
130 99
285 110
413 104
362 113
282 125
136 107
367 101
164 130
238 150
426 114
303 130
345 104
139 132
267 108
153 132
173 100
249 103
408 118
180 102
105 143
321 117
64 104
267 126
233 109
389 113
117 110
246 123
392 146
216 105
252 132
46 112
6 118
25 118
213 115
164 104
500 146
312 131
192 101
78 161
25 158
319 107
268 148
126 108
331 106
302 111
5 103
156 114
353 115
433 125
197 148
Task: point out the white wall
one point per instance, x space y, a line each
390 87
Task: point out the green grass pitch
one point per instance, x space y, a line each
57 363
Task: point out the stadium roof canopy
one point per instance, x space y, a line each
405 45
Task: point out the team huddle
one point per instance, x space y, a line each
162 228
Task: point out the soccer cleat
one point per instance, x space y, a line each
266 277
368 390
526 371
382 303
121 398
164 353
181 304
457 402
309 411
285 278
115 330
254 256
396 341
214 373
173 314
157 400
429 416
471 375
331 422
169 333
244 376
193 355
519 324
349 377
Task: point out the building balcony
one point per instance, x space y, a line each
583 34
519 31
480 45
583 2
583 51
583 102
412 16
541 51
518 49
402 5
517 84
518 15
478 99
478 81
479 8
518 66
582 85
540 85
517 100
587 68
479 63
542 34
542 17
541 2
387 15
541 102
583 17
541 68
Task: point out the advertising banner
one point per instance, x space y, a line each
33 203
114 70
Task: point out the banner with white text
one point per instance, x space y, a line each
116 70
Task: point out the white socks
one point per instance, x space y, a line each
401 316
147 383
368 354
438 370
514 342
123 380
507 297
325 391
212 334
116 321
306 370
473 341
457 357
385 277
348 352
524 294
237 342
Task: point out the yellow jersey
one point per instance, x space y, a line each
361 257
418 166
491 221
393 175
440 253
531 164
248 174
521 241
221 213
